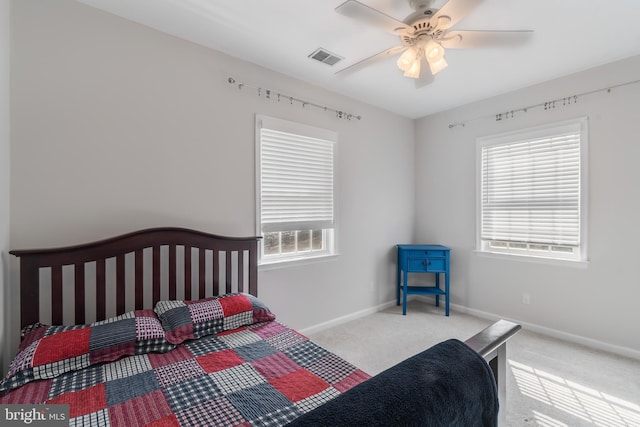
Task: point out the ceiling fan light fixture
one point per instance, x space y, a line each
407 58
433 51
437 66
414 70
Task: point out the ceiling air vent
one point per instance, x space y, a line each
325 56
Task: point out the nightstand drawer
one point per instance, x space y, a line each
425 253
426 264
434 253
436 264
417 264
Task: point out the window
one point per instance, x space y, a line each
531 193
295 190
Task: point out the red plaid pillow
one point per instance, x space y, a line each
48 351
185 320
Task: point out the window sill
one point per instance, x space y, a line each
533 259
296 262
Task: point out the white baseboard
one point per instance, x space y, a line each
565 336
344 319
554 333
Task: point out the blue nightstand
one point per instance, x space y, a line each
422 259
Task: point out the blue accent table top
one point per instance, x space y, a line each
422 259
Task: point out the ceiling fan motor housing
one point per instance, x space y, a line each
419 30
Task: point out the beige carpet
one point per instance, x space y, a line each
550 383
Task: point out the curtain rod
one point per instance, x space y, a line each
568 100
268 94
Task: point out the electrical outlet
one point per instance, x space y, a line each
526 299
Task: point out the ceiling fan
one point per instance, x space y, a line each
425 34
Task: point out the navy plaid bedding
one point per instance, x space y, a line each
262 374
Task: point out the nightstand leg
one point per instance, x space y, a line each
404 295
398 285
438 286
446 289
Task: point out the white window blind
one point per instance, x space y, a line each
531 189
296 177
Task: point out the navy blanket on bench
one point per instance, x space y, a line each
447 385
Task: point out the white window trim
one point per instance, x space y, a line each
300 129
297 262
532 259
581 259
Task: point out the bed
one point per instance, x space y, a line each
164 327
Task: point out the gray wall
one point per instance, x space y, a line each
4 172
595 304
117 127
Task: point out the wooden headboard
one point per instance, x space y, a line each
158 262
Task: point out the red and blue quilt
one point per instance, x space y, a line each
261 373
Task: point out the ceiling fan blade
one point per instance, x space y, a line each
370 60
454 10
425 78
368 15
466 39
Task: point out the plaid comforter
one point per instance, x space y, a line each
262 374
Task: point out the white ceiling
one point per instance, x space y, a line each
569 36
